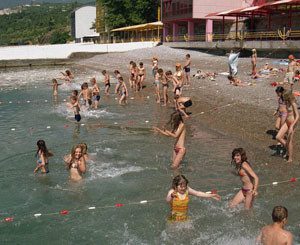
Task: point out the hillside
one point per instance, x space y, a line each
12 3
46 23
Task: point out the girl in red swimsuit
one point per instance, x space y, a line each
248 178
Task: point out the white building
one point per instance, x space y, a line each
82 20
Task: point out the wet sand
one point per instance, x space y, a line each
241 113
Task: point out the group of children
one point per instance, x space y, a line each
178 196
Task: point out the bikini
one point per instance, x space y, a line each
177 149
40 162
289 109
165 85
107 84
179 208
244 190
281 102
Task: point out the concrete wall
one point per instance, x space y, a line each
63 51
84 18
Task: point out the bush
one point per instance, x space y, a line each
59 37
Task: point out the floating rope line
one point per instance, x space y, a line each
143 202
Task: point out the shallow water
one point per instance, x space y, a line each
129 163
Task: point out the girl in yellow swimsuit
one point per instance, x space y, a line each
178 198
289 125
248 178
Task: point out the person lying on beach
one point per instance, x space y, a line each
181 103
200 74
75 163
55 85
42 155
235 81
76 108
178 132
248 178
67 76
178 198
275 234
86 94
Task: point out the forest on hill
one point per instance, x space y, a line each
47 23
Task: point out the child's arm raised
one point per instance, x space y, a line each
170 196
202 194
82 165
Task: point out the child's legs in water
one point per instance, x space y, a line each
282 120
177 157
96 102
239 197
106 89
249 199
117 88
165 89
141 82
123 97
157 93
289 143
187 74
281 133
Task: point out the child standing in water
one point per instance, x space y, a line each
117 88
165 85
248 178
187 69
76 108
124 91
67 77
290 72
86 94
254 61
42 155
275 234
178 198
75 163
55 85
181 103
106 82
141 75
281 110
154 64
157 84
95 92
178 132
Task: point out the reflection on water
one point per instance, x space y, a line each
128 164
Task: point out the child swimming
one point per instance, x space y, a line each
178 198
248 178
75 163
55 85
275 234
86 94
106 82
124 91
178 132
76 108
95 92
42 155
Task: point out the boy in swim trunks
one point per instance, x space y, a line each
95 92
289 77
124 91
106 82
86 94
141 76
275 234
187 69
76 108
157 84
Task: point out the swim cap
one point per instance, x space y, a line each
178 64
154 57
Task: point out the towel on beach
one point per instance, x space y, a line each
233 62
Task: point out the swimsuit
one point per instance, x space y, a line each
156 83
40 161
187 103
177 149
107 84
179 208
165 85
289 123
241 174
77 117
187 69
96 97
141 75
123 93
245 191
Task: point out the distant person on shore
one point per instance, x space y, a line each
42 155
165 85
233 62
187 69
290 124
95 92
248 178
133 76
181 103
235 81
178 198
157 84
200 74
124 91
254 61
178 132
275 234
75 163
76 108
86 94
179 75
290 72
281 109
117 88
106 82
154 64
55 85
141 76
67 77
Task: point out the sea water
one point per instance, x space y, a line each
128 164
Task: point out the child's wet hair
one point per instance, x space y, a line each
104 72
230 77
93 80
68 72
141 63
240 151
179 180
168 73
83 147
75 92
279 213
116 72
160 70
279 90
175 120
188 55
54 81
41 144
131 62
121 78
84 85
74 98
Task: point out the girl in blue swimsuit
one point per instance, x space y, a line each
42 155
